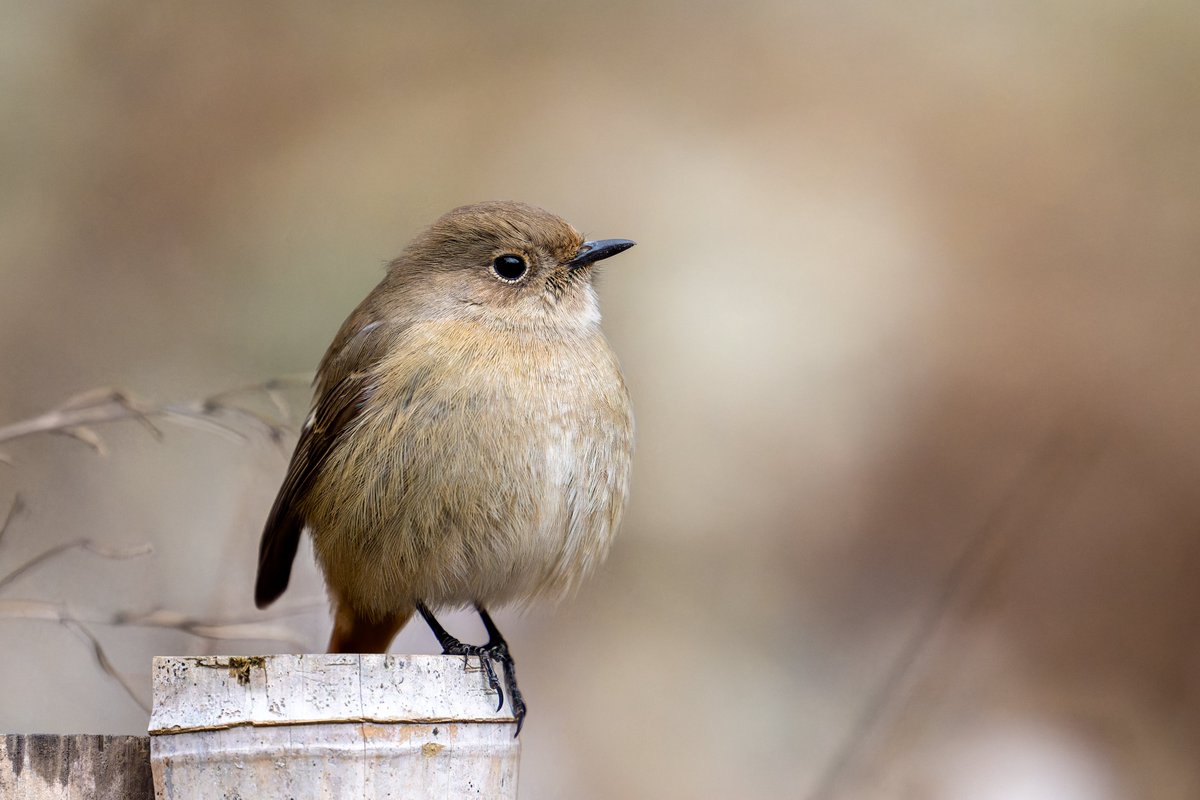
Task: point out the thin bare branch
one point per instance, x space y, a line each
269 386
298 608
279 401
273 430
89 545
90 408
90 398
212 630
1040 480
78 416
53 612
32 609
88 436
196 418
104 662
15 507
209 412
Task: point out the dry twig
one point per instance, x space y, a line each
210 630
1047 475
77 417
15 508
89 545
204 629
80 625
104 662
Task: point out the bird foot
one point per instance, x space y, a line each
490 655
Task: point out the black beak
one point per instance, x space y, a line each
590 252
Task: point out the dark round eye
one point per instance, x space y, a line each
510 269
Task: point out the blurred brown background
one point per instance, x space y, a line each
910 332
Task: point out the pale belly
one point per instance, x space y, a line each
499 489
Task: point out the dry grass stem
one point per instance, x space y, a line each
103 661
14 508
96 549
78 416
211 630
1046 476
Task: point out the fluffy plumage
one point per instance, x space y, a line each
470 438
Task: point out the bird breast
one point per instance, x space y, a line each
487 466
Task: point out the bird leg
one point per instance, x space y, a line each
453 647
495 650
356 633
499 651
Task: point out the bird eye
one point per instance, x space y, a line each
510 268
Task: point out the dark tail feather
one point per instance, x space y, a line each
280 539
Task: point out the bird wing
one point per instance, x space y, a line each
345 382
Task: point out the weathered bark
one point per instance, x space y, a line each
75 766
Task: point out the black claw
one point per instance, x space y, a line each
518 702
486 657
493 681
495 651
499 653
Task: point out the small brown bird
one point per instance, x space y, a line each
470 436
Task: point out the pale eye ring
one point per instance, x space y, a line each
509 268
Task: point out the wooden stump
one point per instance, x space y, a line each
329 726
75 767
